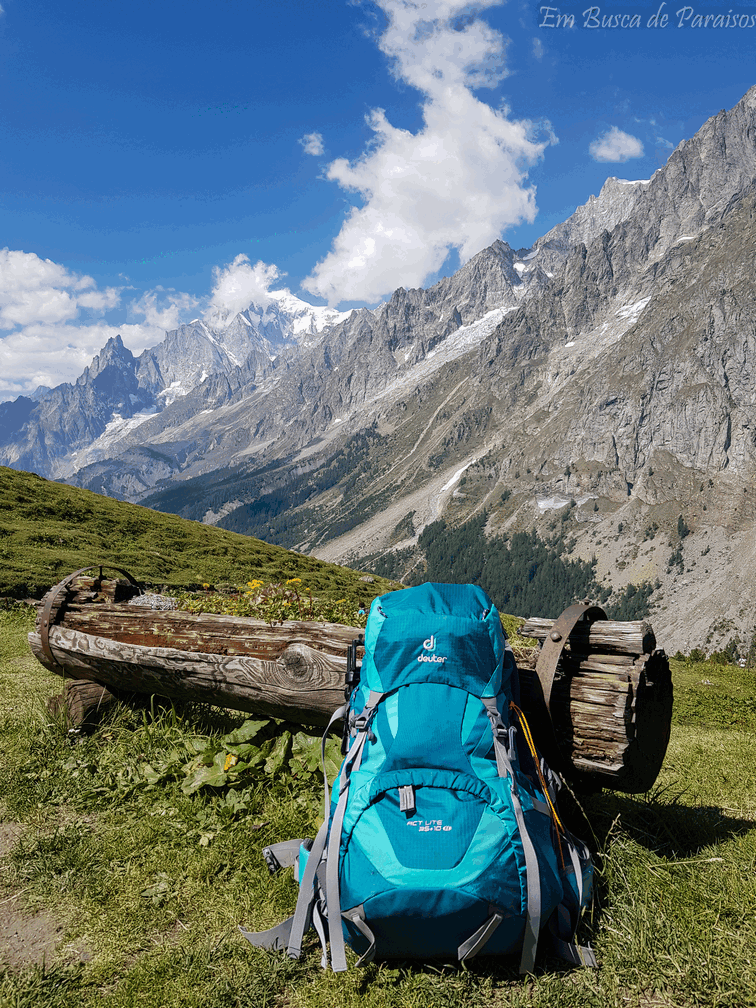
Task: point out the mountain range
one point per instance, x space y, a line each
597 388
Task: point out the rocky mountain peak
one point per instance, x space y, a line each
113 355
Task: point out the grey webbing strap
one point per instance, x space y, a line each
532 873
580 955
333 896
499 729
303 914
475 942
276 939
562 925
306 898
357 916
281 855
406 798
362 721
319 925
533 882
577 867
336 716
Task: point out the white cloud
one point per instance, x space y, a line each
42 354
538 48
614 145
313 143
237 286
456 184
166 315
39 290
52 332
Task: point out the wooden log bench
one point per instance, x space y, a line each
603 718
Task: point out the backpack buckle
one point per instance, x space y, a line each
274 865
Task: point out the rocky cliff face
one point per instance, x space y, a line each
602 379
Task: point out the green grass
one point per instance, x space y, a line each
148 878
49 530
719 696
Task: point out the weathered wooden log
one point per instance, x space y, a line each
206 632
82 704
606 636
302 684
611 703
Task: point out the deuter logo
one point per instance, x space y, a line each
430 645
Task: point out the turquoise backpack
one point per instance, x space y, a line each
441 835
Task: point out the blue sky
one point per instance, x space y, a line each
147 147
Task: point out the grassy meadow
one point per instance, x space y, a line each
128 858
49 530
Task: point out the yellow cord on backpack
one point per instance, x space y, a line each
536 759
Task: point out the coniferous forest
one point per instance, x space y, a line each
521 572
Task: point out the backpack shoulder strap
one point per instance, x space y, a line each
333 896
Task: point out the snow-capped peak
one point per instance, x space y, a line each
307 318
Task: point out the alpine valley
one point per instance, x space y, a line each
593 396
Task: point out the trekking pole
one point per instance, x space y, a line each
352 680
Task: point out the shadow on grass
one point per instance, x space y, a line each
661 823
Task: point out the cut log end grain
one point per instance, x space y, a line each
82 704
611 704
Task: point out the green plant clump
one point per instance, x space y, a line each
275 603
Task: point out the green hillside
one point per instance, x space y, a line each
48 530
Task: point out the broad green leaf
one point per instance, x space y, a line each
246 732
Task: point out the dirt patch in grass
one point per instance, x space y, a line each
26 938
10 834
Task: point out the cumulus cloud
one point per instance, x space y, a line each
163 308
455 184
313 143
40 354
51 321
39 290
237 286
614 145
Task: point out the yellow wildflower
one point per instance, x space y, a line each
294 581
